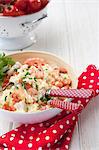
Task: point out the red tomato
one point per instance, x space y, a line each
27 86
22 5
12 11
35 5
5 82
12 108
5 1
15 98
44 2
6 106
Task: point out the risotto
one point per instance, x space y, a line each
24 85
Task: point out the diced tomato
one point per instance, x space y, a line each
53 82
15 98
27 86
5 82
12 108
6 106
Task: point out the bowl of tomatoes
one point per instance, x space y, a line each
18 19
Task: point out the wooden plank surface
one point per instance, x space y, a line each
72 32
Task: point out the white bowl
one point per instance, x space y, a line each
16 32
36 117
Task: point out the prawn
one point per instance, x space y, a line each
35 62
39 74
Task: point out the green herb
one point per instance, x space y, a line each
23 77
36 87
16 69
35 79
30 78
46 69
27 74
17 87
5 63
23 84
5 98
0 105
45 98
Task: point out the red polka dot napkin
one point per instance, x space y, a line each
55 133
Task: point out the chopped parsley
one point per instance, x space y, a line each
17 87
27 74
23 85
5 98
36 87
30 78
16 69
35 79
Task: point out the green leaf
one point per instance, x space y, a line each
5 63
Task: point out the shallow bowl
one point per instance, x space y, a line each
36 117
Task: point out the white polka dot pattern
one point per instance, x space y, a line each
30 145
38 139
20 141
54 131
61 126
32 129
11 138
47 138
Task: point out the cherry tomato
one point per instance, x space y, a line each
35 5
44 2
22 5
12 11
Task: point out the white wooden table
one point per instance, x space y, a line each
72 32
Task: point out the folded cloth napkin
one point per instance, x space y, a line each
55 133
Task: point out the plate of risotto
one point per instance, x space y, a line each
25 76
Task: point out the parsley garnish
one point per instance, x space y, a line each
5 63
27 74
35 79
